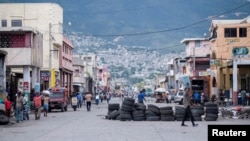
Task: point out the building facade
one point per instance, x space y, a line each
66 64
229 48
45 18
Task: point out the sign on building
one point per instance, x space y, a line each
240 51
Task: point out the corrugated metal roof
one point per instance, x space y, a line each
193 39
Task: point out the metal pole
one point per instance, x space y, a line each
194 74
50 55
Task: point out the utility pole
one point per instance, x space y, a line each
50 54
194 74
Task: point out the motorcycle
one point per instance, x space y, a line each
74 102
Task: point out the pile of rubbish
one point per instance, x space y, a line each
235 113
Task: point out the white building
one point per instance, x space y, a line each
44 18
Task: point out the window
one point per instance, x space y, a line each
16 23
243 32
230 32
4 23
197 43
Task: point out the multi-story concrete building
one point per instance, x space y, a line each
66 64
229 48
103 79
24 46
198 63
90 72
29 20
78 73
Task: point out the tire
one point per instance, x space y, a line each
4 119
114 106
197 118
166 108
156 111
153 118
166 112
179 115
66 108
128 102
210 115
62 108
151 106
136 112
181 102
167 118
210 119
210 104
140 106
2 112
179 112
129 99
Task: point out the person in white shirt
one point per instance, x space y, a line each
26 107
97 97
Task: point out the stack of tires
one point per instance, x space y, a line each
197 112
113 111
139 112
179 113
3 118
211 111
152 113
127 109
167 113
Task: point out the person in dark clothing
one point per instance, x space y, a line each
187 105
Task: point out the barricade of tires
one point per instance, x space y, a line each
127 109
179 113
197 112
211 111
113 111
152 113
167 113
139 112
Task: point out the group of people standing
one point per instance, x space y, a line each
20 106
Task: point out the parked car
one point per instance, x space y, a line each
179 96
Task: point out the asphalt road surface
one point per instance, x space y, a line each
81 125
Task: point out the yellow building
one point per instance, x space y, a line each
230 61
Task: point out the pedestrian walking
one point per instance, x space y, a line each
108 97
97 97
187 105
196 97
88 98
141 97
243 97
26 108
7 104
45 104
19 107
79 99
38 103
101 97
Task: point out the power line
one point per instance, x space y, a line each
168 30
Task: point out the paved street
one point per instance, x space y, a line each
81 125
